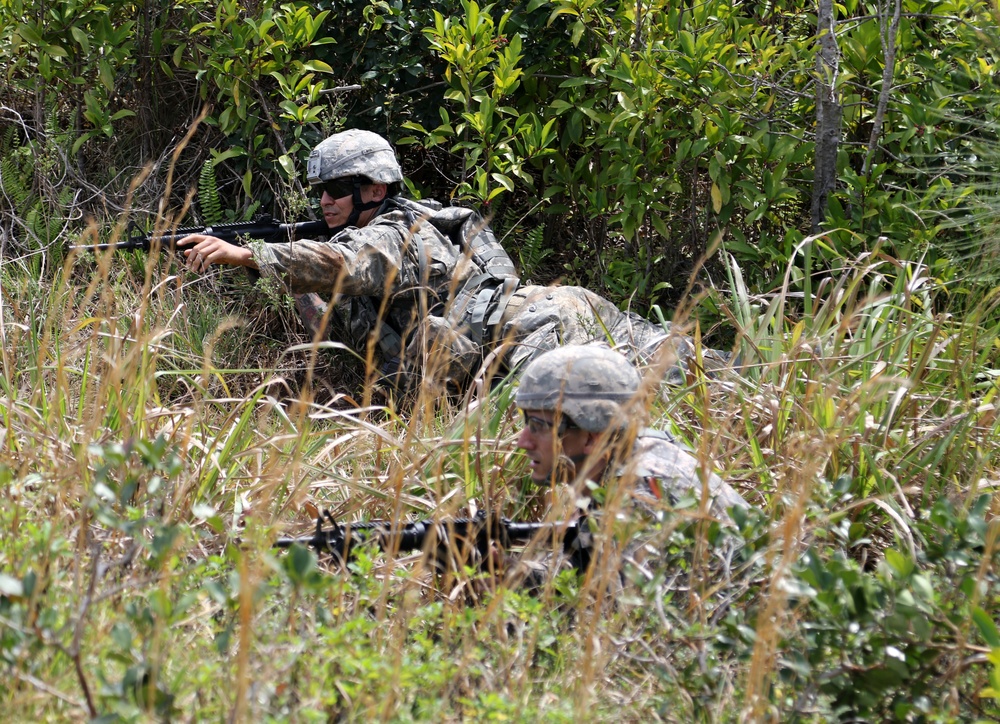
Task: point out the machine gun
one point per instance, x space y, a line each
265 228
478 532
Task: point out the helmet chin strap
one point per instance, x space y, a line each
359 206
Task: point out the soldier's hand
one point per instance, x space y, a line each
206 250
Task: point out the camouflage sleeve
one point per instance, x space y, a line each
363 262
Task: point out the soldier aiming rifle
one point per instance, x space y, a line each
422 283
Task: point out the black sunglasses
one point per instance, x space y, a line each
337 188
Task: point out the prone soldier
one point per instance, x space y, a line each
429 286
584 409
582 405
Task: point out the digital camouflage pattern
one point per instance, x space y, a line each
403 277
392 272
599 390
662 468
539 319
354 153
593 386
435 290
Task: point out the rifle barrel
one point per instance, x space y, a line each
267 230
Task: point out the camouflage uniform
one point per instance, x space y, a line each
599 391
658 465
432 285
389 275
437 307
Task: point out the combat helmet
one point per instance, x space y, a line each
590 384
354 153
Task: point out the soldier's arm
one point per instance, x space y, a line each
311 309
360 262
302 266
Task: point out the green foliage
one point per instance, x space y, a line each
888 625
14 183
108 74
77 50
531 251
38 212
497 142
241 62
208 195
694 122
158 429
640 131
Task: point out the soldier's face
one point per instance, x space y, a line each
337 202
336 210
545 444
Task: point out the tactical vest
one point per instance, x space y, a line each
483 297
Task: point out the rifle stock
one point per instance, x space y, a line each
265 228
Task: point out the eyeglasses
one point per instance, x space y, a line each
337 188
536 425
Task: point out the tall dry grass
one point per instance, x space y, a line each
153 448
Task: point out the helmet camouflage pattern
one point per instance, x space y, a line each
354 153
589 384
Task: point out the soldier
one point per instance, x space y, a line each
583 406
430 287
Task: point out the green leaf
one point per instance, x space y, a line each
30 34
81 38
987 627
900 563
578 81
317 65
687 43
503 181
56 51
229 153
107 75
300 562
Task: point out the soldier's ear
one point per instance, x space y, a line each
377 191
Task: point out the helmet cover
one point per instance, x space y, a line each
354 153
589 384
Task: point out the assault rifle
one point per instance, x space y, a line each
264 228
477 532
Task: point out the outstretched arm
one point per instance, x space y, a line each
206 250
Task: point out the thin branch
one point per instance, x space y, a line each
51 691
888 30
74 649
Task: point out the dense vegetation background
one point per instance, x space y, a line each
808 184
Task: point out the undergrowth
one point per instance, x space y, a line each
155 443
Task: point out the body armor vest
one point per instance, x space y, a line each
484 295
